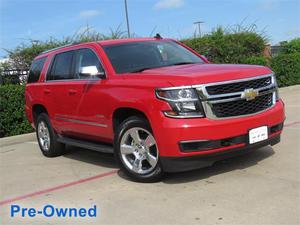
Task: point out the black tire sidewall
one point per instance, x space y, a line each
153 176
56 148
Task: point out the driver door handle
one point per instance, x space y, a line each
72 91
47 91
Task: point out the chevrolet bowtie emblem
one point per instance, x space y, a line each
249 94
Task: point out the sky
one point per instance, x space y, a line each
23 20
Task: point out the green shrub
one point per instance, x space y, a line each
22 56
256 60
287 69
12 113
292 46
226 47
246 46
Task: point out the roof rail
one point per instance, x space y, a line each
53 49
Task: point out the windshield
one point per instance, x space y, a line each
140 56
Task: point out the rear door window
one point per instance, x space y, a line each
61 68
35 70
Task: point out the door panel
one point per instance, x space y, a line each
88 118
93 110
62 92
67 96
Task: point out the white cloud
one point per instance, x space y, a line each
269 4
89 13
169 4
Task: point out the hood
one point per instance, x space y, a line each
204 73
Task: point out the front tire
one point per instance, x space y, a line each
136 150
47 138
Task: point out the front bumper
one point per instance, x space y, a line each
170 133
180 164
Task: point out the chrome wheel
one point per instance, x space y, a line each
139 150
43 136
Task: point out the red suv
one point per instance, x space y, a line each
156 104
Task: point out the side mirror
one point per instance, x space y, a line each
91 71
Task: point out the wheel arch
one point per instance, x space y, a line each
123 113
36 110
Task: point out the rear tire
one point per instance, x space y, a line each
136 150
47 138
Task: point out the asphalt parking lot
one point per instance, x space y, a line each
262 187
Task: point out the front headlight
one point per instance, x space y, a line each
183 101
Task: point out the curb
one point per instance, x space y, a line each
17 139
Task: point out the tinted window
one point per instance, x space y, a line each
61 68
35 70
86 58
138 56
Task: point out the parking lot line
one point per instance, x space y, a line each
84 180
102 175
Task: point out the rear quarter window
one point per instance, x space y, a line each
35 70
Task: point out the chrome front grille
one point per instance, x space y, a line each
238 86
238 98
242 107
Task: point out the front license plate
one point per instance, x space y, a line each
258 134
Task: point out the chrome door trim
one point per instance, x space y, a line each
80 121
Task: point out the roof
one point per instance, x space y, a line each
103 43
127 40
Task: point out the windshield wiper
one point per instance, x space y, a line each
181 63
149 68
142 69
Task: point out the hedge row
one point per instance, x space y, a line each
287 68
287 64
223 47
247 48
12 111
